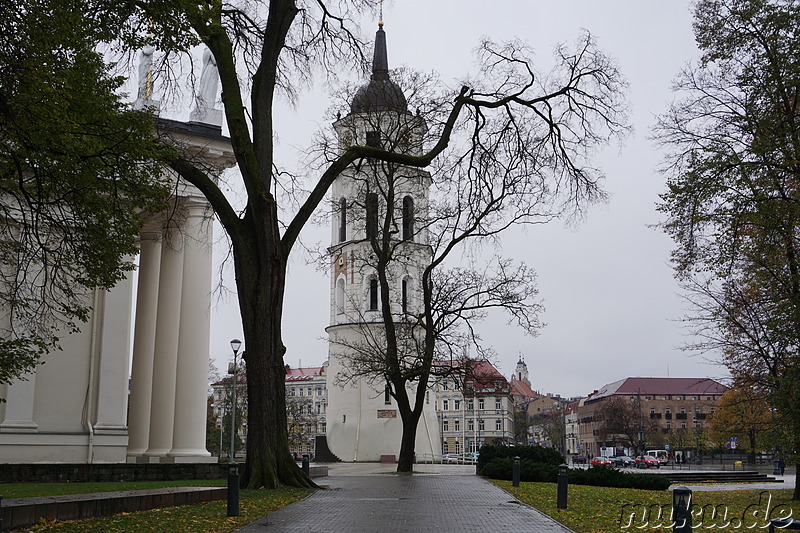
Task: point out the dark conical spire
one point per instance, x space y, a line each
381 93
380 60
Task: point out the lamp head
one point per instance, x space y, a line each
682 496
235 345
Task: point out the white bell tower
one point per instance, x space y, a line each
363 421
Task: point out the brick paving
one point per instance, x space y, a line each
386 503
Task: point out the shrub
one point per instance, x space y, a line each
600 476
536 454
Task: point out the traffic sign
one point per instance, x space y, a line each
666 447
734 439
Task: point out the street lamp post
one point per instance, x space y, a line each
233 469
235 345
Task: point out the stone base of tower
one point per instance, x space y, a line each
362 426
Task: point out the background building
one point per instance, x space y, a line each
646 413
474 407
306 405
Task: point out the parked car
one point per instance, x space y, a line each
460 458
579 460
600 461
623 461
646 461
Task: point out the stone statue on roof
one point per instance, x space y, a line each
204 110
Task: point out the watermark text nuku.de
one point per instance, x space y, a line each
709 516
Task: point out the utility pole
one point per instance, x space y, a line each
640 446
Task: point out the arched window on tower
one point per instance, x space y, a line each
342 220
372 215
408 218
404 296
373 294
340 296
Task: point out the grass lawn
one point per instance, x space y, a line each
206 517
605 510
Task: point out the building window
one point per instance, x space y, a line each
697 410
444 447
374 139
480 404
470 425
373 294
498 425
457 425
666 410
669 425
387 396
445 426
694 398
301 391
291 391
683 410
652 410
679 397
342 220
408 218
497 404
458 447
340 296
457 405
470 404
444 384
372 215
683 425
445 405
480 425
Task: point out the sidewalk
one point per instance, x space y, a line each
363 498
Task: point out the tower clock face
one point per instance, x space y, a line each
347 138
406 138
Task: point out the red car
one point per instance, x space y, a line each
600 461
646 461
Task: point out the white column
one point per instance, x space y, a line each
144 340
115 346
189 438
19 406
162 408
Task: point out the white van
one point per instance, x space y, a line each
661 455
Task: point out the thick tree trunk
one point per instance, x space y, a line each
405 462
260 283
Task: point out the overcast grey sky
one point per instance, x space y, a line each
611 302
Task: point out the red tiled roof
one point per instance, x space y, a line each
655 386
292 374
520 388
302 374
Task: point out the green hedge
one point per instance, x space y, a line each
537 454
600 476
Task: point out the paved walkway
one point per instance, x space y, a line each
441 498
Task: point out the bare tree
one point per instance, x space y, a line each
505 128
514 159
